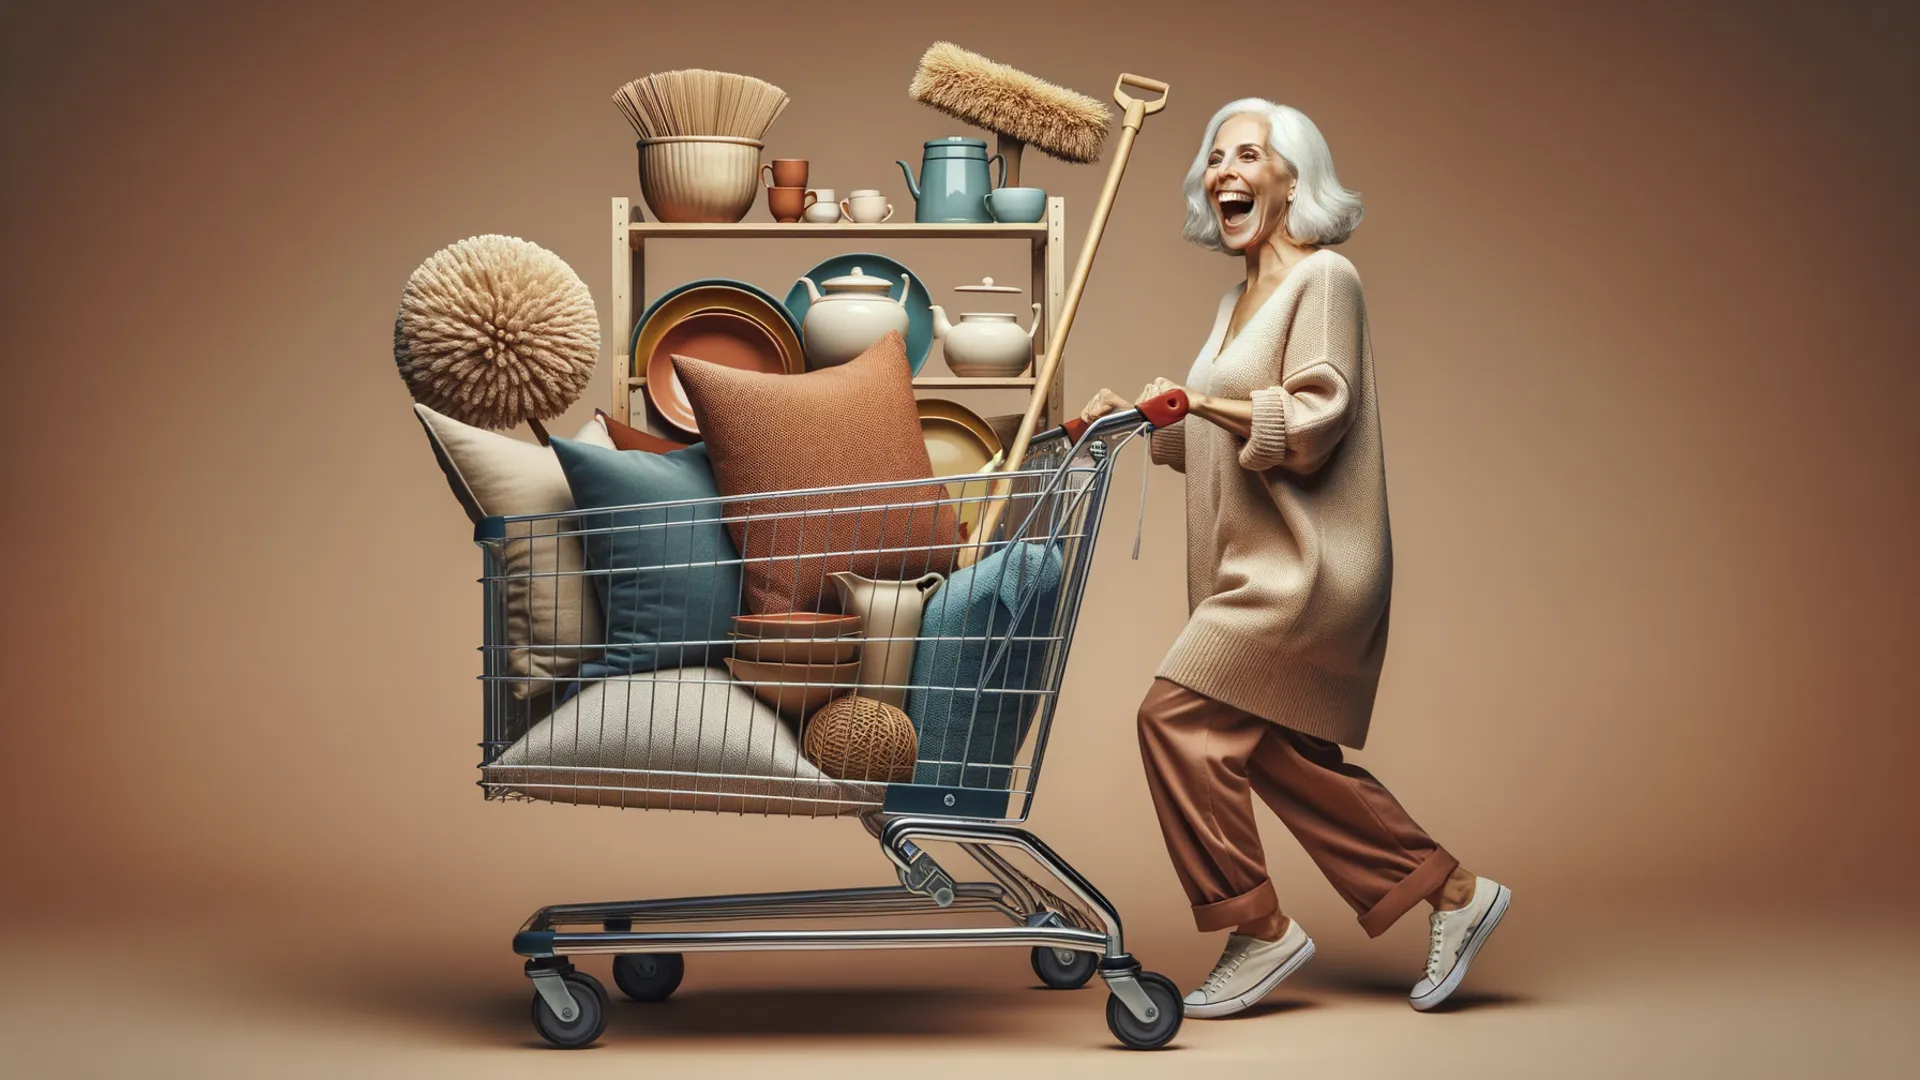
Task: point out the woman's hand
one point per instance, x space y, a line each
1160 386
1103 403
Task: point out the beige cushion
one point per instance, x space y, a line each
677 739
490 474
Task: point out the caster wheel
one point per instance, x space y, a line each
649 976
591 1021
1148 1034
1064 969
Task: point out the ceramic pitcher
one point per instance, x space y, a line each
954 180
887 609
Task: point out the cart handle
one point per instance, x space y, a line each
1162 411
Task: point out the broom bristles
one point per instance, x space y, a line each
1007 101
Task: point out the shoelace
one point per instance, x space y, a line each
1223 971
1438 943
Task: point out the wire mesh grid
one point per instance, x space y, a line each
798 653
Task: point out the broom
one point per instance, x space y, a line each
1015 106
1023 109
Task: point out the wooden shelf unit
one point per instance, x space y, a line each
630 234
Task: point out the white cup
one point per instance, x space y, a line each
825 211
866 206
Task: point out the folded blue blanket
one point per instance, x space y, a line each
962 711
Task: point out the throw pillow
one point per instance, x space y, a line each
969 705
679 739
627 437
667 578
552 617
851 424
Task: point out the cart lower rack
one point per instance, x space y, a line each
616 675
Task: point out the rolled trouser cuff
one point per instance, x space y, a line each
1415 887
1255 903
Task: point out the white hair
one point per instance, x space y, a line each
1323 212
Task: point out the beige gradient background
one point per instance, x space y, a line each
1639 277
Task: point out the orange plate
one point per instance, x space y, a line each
782 347
717 336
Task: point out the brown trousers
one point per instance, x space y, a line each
1203 761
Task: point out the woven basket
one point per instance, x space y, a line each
858 738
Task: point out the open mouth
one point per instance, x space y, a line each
1235 208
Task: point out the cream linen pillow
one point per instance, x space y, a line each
491 474
677 739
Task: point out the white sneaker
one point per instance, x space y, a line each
1457 937
1247 970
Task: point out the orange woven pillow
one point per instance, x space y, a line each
851 424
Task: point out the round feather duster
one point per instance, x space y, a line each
495 330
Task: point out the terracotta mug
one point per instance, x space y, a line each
784 172
866 206
788 203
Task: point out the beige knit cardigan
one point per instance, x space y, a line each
1289 558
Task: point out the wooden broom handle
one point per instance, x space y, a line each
1134 113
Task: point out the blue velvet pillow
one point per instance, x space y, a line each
959 715
668 579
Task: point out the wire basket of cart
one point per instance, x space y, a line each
818 653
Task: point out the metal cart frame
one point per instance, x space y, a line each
1072 931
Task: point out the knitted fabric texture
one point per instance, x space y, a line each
495 330
851 424
971 701
1289 553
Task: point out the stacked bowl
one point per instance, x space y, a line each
797 661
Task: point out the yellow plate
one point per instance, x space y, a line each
959 442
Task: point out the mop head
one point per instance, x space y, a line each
969 87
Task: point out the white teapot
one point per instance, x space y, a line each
984 345
855 311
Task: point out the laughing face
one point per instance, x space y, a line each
1248 183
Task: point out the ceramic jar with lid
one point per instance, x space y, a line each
985 345
848 314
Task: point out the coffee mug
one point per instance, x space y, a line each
1017 203
825 210
788 203
866 206
785 172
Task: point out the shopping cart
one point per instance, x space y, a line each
648 715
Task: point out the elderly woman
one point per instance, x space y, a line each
1289 572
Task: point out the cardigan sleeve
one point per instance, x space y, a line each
1297 423
1168 446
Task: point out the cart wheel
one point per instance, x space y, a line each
649 976
591 999
1064 969
1151 1034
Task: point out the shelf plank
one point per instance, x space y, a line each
767 230
930 382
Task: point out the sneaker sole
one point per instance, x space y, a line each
1216 1009
1479 937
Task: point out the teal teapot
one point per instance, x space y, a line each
953 181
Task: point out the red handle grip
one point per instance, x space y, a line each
1169 408
1160 411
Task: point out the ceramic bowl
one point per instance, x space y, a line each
796 624
1023 204
795 690
700 177
841 650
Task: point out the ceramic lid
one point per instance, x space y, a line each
859 280
986 285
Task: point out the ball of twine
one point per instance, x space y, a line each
858 738
495 330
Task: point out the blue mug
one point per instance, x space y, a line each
1022 204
